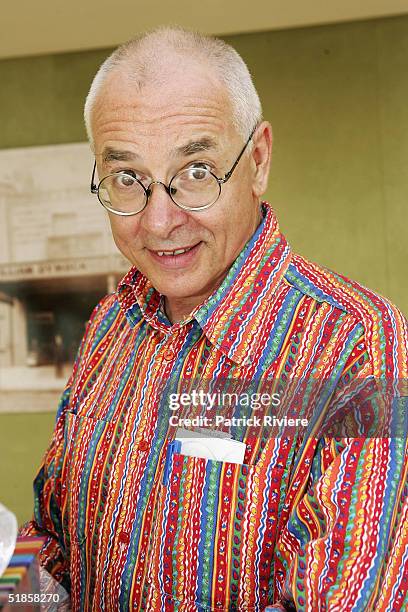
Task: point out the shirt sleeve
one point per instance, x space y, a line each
350 531
47 520
345 545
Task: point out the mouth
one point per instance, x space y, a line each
175 258
175 252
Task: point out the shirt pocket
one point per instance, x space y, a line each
89 447
215 532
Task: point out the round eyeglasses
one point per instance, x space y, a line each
193 188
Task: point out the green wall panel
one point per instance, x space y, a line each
23 441
45 97
393 96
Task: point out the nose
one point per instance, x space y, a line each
161 215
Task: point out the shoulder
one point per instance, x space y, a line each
105 310
384 326
105 320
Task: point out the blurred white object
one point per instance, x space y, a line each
8 536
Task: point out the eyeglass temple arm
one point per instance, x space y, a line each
94 187
228 175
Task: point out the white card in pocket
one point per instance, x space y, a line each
208 446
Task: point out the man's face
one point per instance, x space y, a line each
156 133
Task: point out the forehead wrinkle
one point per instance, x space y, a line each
148 126
142 113
205 136
127 122
111 153
172 101
136 119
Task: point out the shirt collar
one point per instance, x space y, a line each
232 316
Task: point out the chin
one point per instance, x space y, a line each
171 293
174 291
175 285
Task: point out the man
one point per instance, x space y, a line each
308 519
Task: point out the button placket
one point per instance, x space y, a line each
166 353
169 354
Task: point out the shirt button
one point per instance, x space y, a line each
168 355
143 445
124 537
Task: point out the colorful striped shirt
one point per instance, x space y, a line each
315 518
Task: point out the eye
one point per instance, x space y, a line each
126 179
198 172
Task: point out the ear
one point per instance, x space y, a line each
261 157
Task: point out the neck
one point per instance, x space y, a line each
177 309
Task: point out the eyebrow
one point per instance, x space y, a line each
196 146
110 154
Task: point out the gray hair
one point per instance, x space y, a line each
142 55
